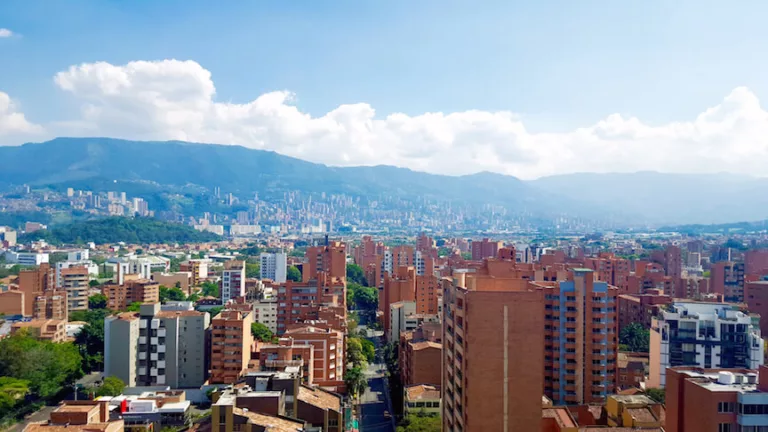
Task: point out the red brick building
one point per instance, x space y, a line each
493 338
716 400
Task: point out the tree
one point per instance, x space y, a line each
133 307
97 301
261 332
253 270
635 337
93 283
90 338
172 294
210 289
657 394
355 381
355 354
420 422
355 274
369 350
47 366
194 297
12 392
112 386
293 274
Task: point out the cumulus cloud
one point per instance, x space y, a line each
12 122
5 33
173 99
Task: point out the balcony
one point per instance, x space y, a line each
142 355
142 371
142 324
153 356
142 340
161 332
155 323
153 341
161 364
161 348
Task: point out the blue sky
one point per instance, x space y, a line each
558 65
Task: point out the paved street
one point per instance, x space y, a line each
373 404
35 417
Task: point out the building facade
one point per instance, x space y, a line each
231 344
274 266
706 335
155 347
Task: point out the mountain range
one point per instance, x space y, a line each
642 198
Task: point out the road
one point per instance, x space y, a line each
374 402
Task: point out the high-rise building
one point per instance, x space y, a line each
727 278
581 338
51 304
119 297
493 352
485 248
34 282
329 353
157 347
231 343
756 262
330 259
716 400
706 335
74 280
232 280
274 266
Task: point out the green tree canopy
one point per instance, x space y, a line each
362 297
210 289
112 386
172 294
356 274
97 301
12 393
133 307
90 338
369 350
261 332
355 381
420 422
293 274
355 354
635 337
657 394
45 365
253 270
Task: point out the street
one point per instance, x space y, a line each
374 403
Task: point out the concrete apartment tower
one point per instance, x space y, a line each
157 347
274 266
493 338
232 280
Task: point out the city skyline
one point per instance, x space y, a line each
577 101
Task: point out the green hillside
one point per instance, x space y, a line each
117 229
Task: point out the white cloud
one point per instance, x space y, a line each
176 100
12 122
5 33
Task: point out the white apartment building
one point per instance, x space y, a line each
265 312
232 281
157 346
274 266
707 335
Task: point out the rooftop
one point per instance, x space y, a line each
270 423
422 391
320 398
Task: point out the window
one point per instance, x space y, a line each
724 427
726 407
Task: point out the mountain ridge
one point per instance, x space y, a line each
645 197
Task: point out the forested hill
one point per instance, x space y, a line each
117 229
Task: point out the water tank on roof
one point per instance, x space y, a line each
725 378
740 379
751 378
